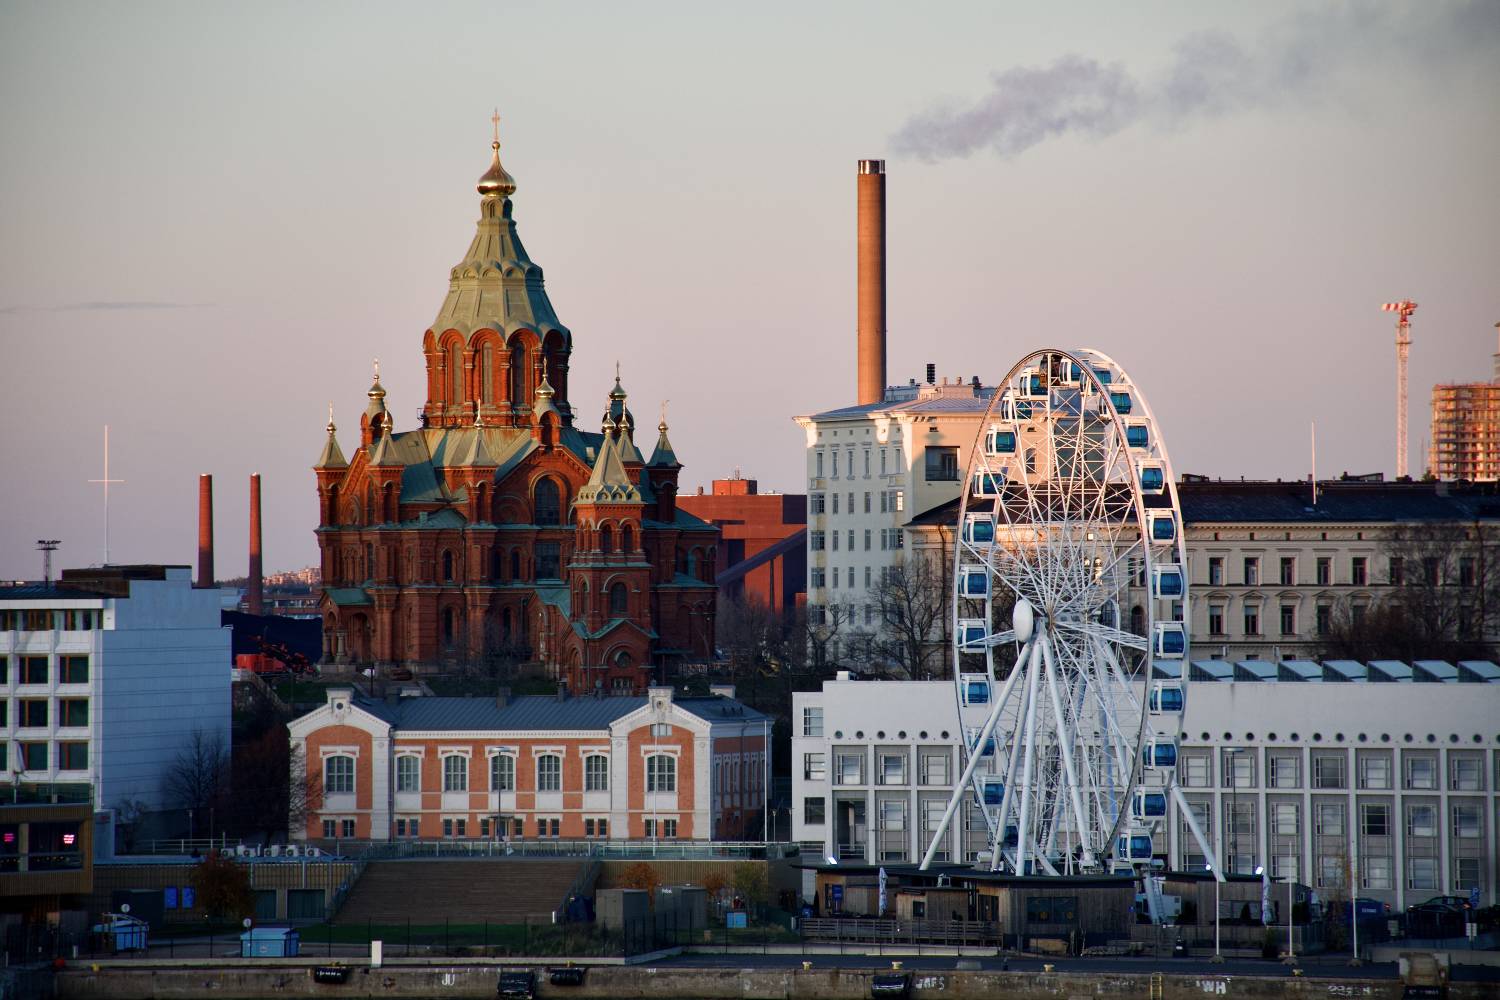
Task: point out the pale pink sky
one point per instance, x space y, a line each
213 216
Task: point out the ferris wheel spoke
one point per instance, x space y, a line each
1117 636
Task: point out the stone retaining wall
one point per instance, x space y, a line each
291 978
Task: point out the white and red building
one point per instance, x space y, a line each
662 766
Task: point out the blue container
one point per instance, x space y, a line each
270 942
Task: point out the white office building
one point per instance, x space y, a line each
104 677
1385 770
868 468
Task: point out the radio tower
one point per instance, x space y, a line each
1403 311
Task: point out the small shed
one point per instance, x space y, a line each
122 932
682 907
270 942
1079 910
615 909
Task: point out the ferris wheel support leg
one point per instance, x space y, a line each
1065 744
1023 830
961 787
1197 831
1007 800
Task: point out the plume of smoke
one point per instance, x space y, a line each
1209 74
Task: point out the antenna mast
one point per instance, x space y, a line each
48 546
1403 311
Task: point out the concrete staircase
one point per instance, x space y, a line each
462 891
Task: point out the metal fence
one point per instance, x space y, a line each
377 850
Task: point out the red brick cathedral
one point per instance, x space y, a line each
498 530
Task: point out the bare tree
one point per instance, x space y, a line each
912 600
1440 599
198 777
272 792
128 815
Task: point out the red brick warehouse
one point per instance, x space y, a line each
498 528
763 551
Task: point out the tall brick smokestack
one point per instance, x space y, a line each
253 589
205 530
871 280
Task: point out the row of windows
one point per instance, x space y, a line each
1237 769
1432 571
1283 819
933 767
546 562
34 713
833 452
338 773
594 827
1376 823
50 620
890 540
70 755
37 669
891 501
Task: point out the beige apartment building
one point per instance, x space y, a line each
1273 571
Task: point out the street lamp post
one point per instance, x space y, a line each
1217 956
1291 901
1354 910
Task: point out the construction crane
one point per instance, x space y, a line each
1403 311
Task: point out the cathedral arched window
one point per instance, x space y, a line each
692 563
497 566
447 565
1138 620
505 625
606 539
619 598
487 373
455 374
518 394
450 626
627 539
548 503
515 564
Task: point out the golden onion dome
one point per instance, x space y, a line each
496 182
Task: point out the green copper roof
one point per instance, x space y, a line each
664 455
496 285
332 456
347 597
610 483
383 453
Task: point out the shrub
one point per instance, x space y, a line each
223 887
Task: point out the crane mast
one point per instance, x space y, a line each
1403 311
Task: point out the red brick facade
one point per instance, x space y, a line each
761 546
499 529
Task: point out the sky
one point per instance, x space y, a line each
213 216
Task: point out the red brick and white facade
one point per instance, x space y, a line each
607 768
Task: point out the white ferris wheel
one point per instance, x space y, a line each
1070 623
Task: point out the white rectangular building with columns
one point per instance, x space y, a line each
1316 771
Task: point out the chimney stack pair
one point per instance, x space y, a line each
254 591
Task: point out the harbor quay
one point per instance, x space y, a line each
743 977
